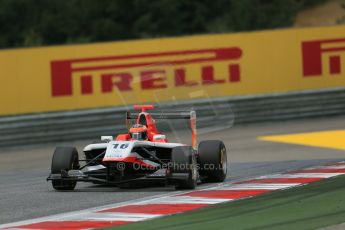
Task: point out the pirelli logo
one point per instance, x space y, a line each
314 52
115 71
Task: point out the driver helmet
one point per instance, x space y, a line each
138 132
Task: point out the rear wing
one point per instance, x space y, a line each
164 115
184 115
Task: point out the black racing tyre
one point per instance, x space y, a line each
64 158
212 161
183 160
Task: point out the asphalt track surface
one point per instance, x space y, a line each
25 194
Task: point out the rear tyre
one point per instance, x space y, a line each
184 161
213 161
64 158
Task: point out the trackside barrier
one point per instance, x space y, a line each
87 124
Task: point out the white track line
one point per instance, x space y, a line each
301 175
186 200
329 167
110 216
57 217
255 186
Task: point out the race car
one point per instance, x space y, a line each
142 155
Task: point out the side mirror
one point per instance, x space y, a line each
107 138
159 137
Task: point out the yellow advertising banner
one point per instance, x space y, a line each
98 75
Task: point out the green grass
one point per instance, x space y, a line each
307 207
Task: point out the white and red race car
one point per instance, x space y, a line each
141 155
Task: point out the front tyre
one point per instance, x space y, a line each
64 158
184 162
212 161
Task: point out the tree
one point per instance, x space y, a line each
41 22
